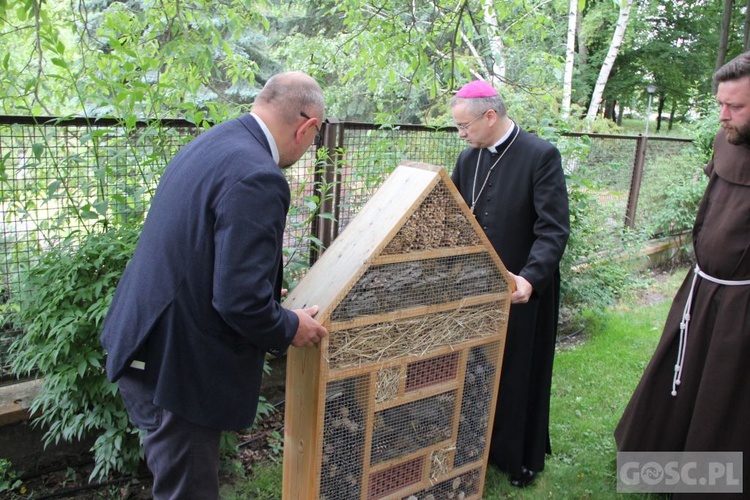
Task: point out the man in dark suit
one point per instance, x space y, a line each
514 183
198 306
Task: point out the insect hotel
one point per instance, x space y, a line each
398 400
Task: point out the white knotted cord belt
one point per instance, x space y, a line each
685 323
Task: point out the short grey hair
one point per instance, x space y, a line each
479 105
292 92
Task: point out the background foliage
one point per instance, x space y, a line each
61 305
386 61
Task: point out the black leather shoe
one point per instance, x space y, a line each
524 479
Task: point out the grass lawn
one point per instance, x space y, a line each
594 377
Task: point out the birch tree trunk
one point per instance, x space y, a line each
497 73
569 60
609 60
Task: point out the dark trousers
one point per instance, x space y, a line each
182 456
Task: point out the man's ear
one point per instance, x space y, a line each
303 128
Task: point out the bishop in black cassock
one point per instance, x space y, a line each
514 183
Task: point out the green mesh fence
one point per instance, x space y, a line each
63 178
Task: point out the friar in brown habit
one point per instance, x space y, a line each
695 392
514 183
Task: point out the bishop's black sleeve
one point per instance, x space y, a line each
552 226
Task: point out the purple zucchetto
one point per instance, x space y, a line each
477 88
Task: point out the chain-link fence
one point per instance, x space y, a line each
61 179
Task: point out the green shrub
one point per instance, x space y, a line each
596 267
300 221
61 304
671 193
704 130
8 478
678 207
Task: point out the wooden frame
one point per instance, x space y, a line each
345 437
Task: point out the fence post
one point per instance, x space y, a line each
326 176
635 180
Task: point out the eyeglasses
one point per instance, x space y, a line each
465 126
318 138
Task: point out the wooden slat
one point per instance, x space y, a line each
412 396
432 253
493 402
463 362
353 371
405 492
370 421
15 401
414 312
426 451
301 436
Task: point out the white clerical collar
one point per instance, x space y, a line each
493 149
269 138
